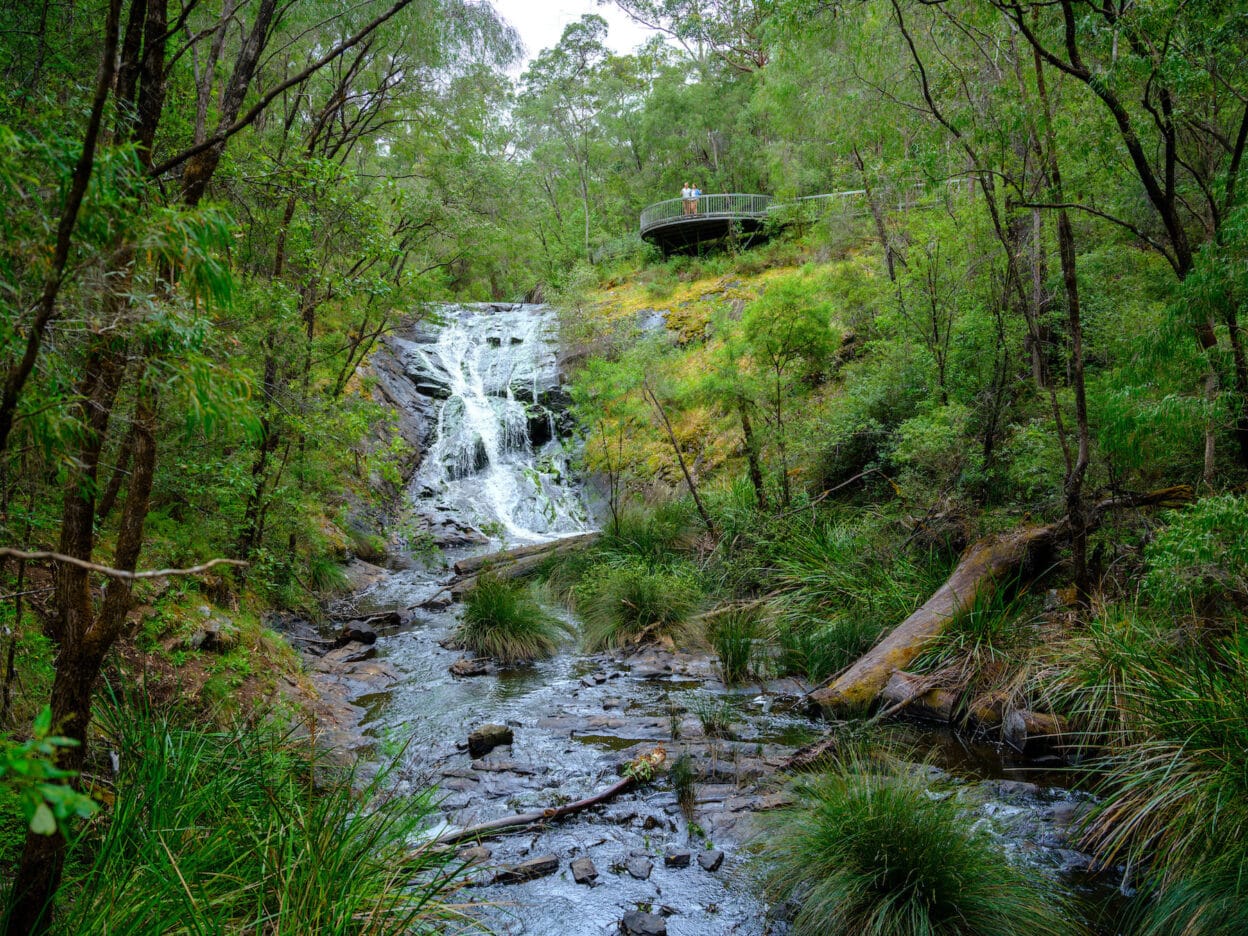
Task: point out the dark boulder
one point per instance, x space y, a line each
487 738
637 923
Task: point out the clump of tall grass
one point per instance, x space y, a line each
224 831
715 714
654 538
630 602
839 587
816 651
733 634
502 620
866 851
1177 784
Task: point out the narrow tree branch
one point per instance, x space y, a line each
7 553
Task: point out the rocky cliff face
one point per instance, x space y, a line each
479 402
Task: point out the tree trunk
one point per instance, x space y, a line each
680 459
751 454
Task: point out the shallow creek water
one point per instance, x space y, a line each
576 718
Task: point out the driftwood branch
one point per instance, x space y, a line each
7 553
497 826
637 771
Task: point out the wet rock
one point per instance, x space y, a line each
439 602
678 858
357 654
711 860
1016 788
583 871
637 923
639 867
356 632
487 738
528 870
474 855
465 667
612 703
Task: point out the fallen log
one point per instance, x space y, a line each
918 697
494 560
517 568
983 567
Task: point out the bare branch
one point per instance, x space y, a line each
7 553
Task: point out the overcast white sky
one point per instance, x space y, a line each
540 23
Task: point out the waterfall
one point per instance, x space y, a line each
497 458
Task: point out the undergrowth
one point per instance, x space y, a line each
215 831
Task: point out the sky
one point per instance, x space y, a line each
540 23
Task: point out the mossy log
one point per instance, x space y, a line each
983 567
496 560
514 563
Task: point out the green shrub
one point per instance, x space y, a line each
1200 559
866 851
626 603
502 620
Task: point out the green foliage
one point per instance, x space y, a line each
866 850
502 620
28 770
626 600
1199 559
226 832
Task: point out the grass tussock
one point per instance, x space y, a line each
630 603
866 851
503 621
224 832
733 633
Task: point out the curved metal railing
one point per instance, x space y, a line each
707 207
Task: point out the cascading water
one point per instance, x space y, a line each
497 460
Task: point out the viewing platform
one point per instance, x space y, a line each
673 225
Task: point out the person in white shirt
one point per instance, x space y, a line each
686 194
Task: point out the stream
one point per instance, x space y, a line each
496 472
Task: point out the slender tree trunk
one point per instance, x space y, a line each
751 453
680 459
1076 471
19 372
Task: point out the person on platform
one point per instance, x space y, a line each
687 202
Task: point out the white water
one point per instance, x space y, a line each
499 365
